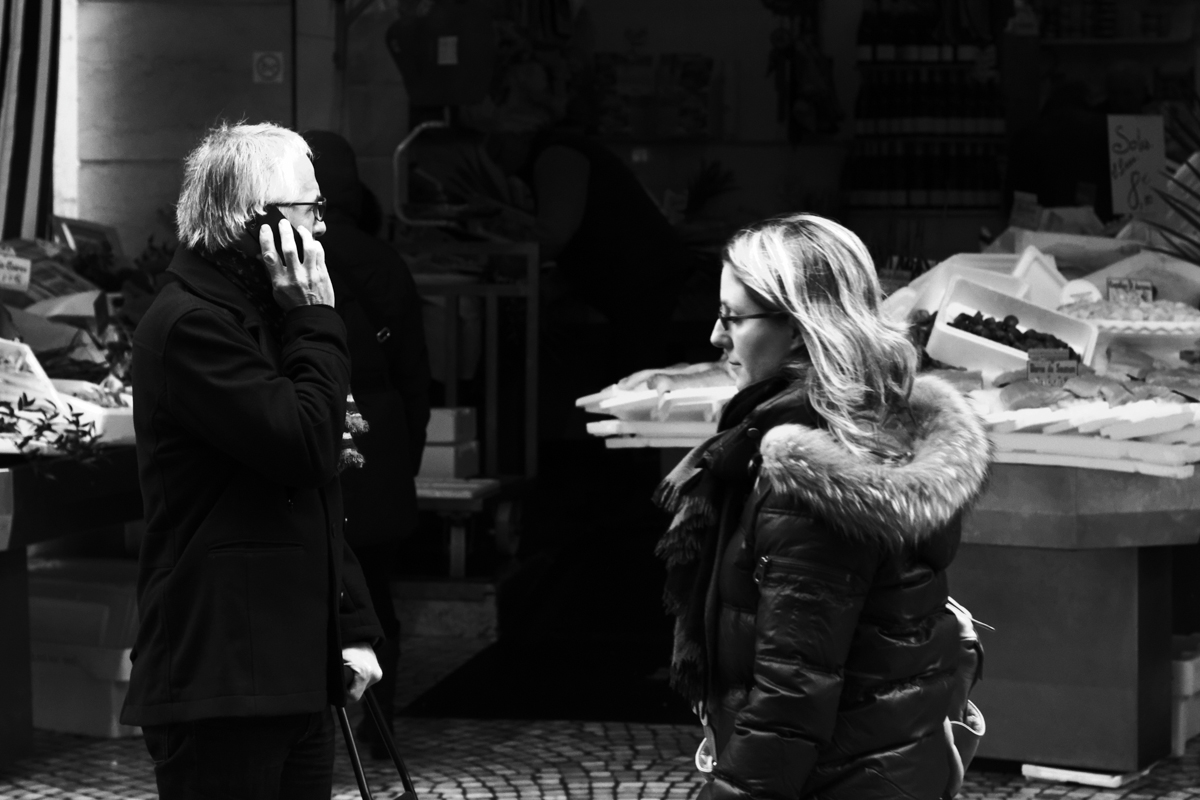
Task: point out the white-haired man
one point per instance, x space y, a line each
250 603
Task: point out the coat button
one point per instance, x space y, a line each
753 433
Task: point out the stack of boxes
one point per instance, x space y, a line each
1185 691
451 449
83 622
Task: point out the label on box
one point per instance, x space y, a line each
14 270
1130 290
1051 367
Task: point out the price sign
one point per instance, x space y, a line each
1130 290
1136 155
14 270
1050 367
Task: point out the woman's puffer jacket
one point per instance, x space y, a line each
831 652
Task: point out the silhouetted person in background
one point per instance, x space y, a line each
614 249
1063 157
378 300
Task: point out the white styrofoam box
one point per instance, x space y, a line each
1185 722
1041 273
995 262
961 349
450 425
460 460
934 290
113 425
83 601
80 689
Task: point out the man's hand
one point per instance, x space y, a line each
297 283
360 658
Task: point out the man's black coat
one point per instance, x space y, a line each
246 591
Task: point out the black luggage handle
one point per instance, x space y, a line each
410 792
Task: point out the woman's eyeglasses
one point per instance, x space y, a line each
318 207
725 319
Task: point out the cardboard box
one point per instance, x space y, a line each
90 602
450 426
1185 722
1185 665
80 689
450 460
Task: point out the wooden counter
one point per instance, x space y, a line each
1072 568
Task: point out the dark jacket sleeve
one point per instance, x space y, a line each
812 586
285 423
356 615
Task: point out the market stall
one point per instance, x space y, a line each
1089 393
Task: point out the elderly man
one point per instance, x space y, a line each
250 602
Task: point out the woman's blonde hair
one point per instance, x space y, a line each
858 364
226 180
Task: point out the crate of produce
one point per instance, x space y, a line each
933 291
80 689
960 348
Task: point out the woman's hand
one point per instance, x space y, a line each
297 283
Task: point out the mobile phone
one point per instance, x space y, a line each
271 217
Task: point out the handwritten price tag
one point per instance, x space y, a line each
14 270
1136 155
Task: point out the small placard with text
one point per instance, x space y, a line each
1136 155
1051 367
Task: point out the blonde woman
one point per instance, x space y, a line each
807 556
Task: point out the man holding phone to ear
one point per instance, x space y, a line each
250 603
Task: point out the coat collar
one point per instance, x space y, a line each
904 501
203 279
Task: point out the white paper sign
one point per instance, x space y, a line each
1136 156
15 272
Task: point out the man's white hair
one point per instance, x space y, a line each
227 179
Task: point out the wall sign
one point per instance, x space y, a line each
268 66
1136 157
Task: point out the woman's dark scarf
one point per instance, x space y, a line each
695 492
250 276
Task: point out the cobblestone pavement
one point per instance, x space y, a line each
455 759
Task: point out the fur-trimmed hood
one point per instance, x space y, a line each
897 501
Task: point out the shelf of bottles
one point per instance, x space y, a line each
929 116
1127 21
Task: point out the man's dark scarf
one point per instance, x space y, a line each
695 492
250 276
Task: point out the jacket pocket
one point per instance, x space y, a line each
768 565
252 546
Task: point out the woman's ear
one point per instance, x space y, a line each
797 339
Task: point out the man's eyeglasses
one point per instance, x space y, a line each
725 319
318 207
